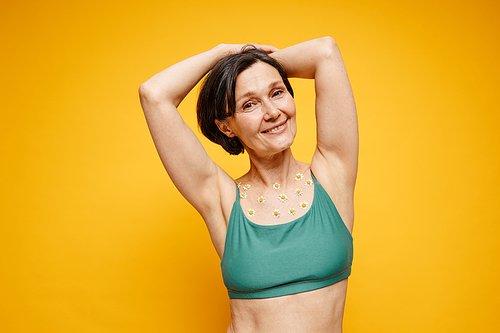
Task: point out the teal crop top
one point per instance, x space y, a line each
308 253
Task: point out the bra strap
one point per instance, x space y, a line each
237 193
314 178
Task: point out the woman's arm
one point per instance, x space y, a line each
337 129
186 161
193 172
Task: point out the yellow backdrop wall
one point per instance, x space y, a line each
95 238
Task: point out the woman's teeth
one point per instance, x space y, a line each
275 129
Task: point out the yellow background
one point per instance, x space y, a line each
95 238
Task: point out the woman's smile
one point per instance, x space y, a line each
280 128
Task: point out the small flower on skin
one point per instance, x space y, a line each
251 212
239 184
309 182
291 211
261 199
243 195
299 176
304 205
298 191
276 213
246 186
283 197
276 186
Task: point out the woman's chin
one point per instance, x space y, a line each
271 150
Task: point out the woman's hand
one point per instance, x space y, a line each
228 49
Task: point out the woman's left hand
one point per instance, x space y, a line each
236 48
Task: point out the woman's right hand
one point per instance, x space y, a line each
228 49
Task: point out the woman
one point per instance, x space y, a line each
283 230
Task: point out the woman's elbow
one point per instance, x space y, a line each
328 47
148 92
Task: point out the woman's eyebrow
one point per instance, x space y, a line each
252 93
275 83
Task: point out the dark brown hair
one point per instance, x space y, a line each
217 97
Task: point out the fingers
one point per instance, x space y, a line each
266 48
237 48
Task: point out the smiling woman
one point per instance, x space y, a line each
217 99
282 230
264 120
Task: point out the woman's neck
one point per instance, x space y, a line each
274 168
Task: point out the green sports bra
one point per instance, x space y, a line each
311 252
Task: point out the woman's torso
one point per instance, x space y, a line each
319 310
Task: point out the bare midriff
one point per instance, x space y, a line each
316 311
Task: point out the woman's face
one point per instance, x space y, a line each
264 118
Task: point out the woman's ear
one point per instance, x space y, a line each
224 128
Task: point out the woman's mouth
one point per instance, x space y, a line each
276 128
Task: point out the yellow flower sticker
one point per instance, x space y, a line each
299 176
251 212
282 197
304 205
291 211
261 199
276 213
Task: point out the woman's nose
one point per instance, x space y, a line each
271 111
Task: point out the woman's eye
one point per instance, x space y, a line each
277 93
247 105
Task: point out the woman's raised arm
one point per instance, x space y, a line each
336 119
191 169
